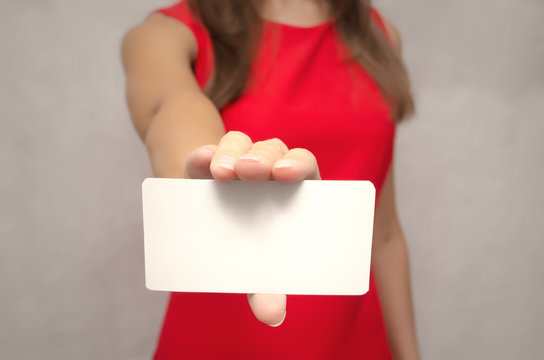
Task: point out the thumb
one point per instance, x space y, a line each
197 165
268 308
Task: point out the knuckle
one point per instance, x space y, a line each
304 152
265 151
238 135
280 145
259 144
271 147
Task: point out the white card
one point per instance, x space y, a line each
313 237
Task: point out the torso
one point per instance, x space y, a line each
304 93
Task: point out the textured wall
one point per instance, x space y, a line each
470 175
469 180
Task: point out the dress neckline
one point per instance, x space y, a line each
320 25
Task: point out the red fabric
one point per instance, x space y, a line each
305 93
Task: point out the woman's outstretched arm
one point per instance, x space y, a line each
169 111
184 133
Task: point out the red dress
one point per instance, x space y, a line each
306 95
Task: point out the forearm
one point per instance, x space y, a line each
183 122
391 270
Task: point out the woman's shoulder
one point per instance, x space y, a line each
158 29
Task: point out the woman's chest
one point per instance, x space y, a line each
304 91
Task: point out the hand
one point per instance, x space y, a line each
237 157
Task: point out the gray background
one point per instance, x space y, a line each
469 180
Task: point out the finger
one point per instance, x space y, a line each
296 165
197 165
268 308
231 146
256 164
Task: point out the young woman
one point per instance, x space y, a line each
281 90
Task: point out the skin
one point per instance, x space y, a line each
185 138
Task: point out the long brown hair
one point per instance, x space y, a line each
235 28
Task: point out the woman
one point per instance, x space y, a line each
269 89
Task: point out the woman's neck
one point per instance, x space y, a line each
295 12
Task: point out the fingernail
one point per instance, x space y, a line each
255 157
283 163
226 162
281 321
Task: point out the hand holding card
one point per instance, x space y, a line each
257 236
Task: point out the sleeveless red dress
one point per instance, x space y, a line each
304 93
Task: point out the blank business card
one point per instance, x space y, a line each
312 237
